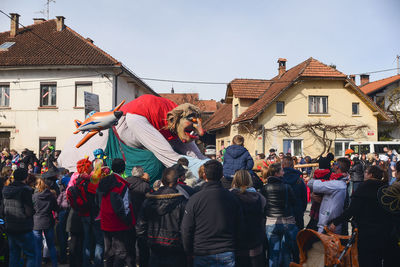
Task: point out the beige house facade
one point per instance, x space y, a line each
309 109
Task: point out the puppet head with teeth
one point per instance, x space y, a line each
185 122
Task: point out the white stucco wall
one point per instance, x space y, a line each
27 122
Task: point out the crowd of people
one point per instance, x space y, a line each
233 214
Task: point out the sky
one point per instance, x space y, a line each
220 40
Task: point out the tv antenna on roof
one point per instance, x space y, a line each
46 10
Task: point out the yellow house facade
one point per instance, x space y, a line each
309 109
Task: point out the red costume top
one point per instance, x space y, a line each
154 109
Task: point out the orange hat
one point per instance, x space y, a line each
84 166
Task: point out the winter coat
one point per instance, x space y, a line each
18 207
236 158
293 178
160 220
373 222
332 204
253 207
357 172
116 210
212 222
44 204
62 200
138 188
74 222
280 198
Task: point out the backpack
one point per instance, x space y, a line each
77 196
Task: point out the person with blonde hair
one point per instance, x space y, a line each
250 250
44 204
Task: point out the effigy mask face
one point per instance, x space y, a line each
185 122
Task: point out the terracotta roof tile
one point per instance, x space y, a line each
274 89
220 119
249 88
208 106
376 85
316 68
71 48
182 98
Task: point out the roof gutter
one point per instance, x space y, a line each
116 87
134 76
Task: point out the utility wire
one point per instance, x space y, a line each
249 81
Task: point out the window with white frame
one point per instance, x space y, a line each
355 108
341 146
4 95
318 105
80 89
280 107
293 146
48 95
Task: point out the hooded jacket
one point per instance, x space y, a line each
253 207
236 158
161 218
116 210
138 188
334 191
18 207
357 171
293 178
44 204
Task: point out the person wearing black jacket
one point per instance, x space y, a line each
356 174
373 222
44 204
293 178
250 251
281 224
18 217
211 226
138 188
160 220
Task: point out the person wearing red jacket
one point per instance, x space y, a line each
117 219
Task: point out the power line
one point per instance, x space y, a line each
170 80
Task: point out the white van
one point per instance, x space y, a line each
365 147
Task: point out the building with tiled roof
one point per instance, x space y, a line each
46 68
207 107
386 94
291 111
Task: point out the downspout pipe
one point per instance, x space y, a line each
116 87
263 139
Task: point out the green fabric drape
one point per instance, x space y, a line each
133 157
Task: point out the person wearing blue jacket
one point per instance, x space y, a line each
236 157
293 178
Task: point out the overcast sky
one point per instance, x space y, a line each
225 39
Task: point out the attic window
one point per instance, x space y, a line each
4 46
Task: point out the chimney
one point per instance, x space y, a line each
364 79
281 66
353 78
60 23
38 20
14 24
